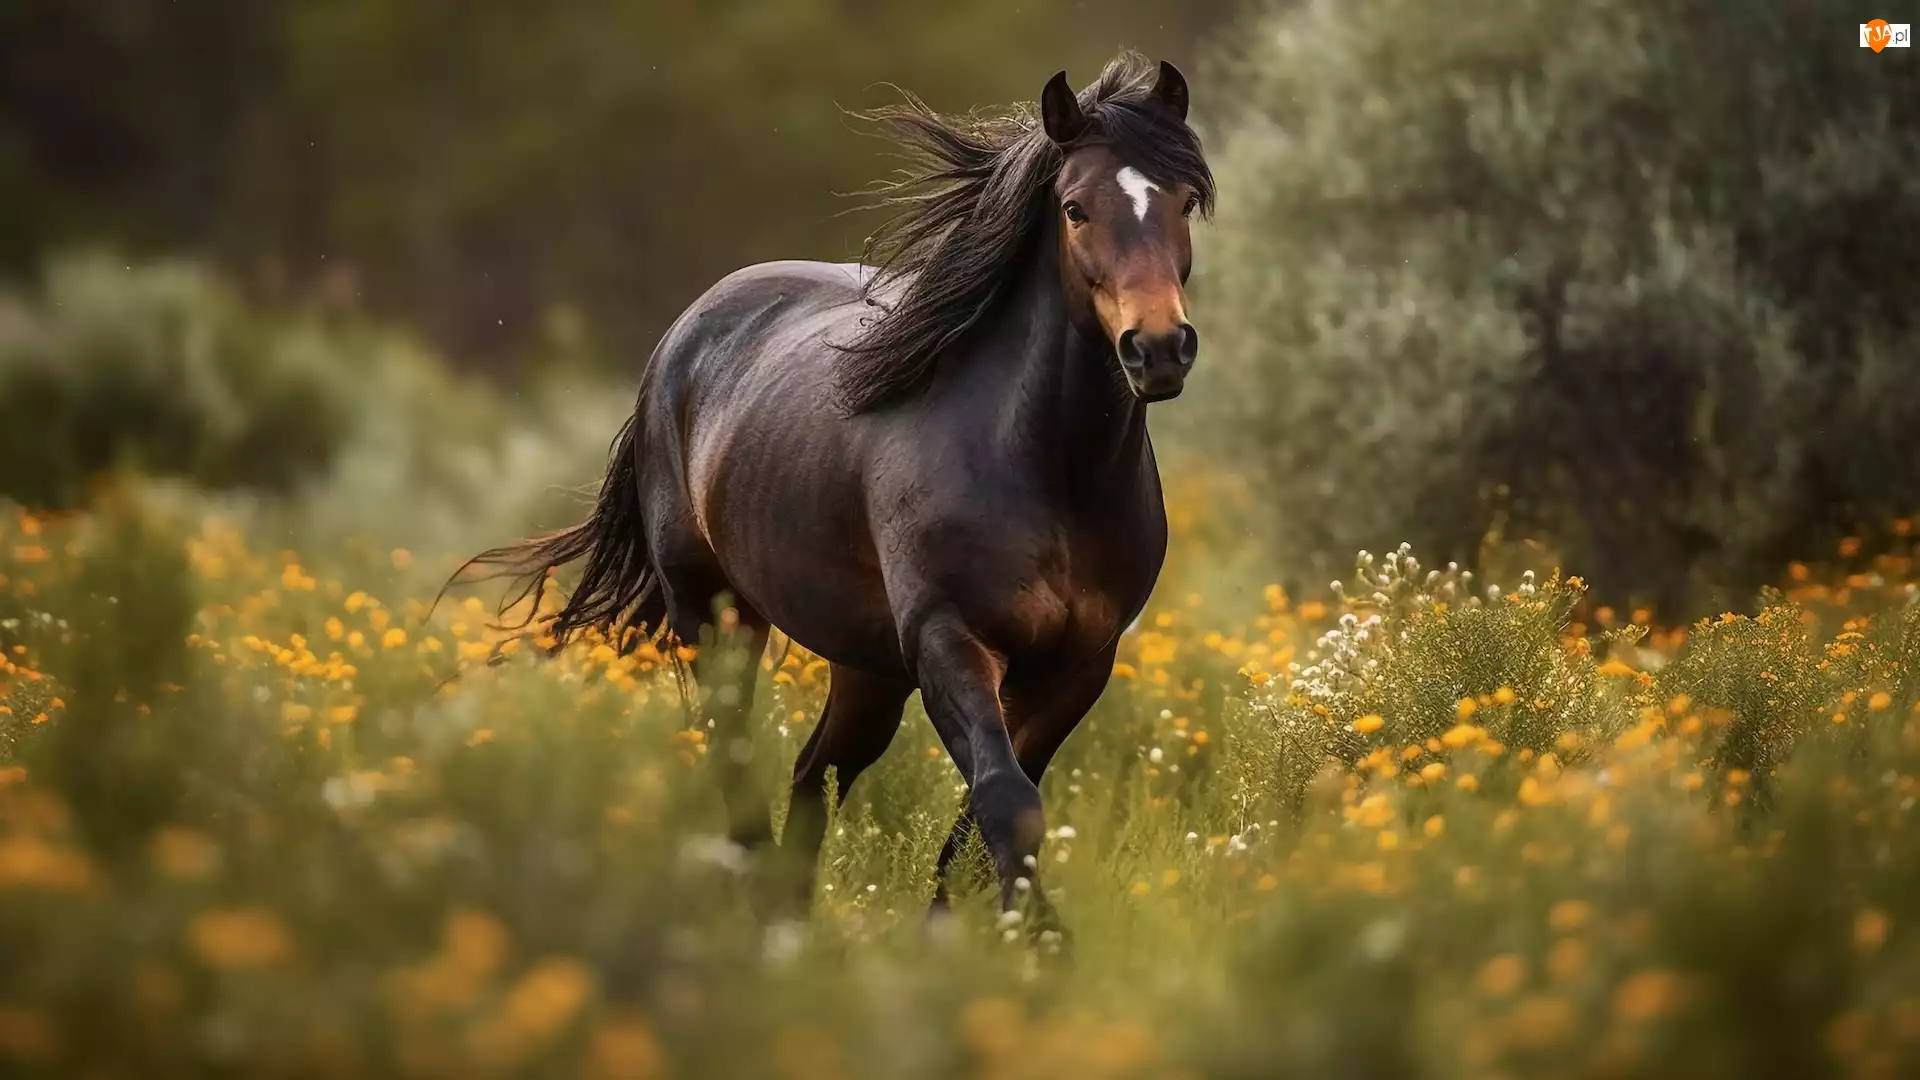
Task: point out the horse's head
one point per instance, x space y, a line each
1124 209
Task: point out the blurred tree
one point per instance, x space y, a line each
500 172
1633 275
161 369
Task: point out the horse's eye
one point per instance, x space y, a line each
1075 213
1193 203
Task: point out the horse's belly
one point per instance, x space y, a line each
796 550
839 616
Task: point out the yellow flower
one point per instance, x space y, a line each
624 1048
1567 959
184 853
1433 772
393 639
1616 668
236 938
1870 929
537 1007
1434 826
1647 995
1880 701
1569 915
1504 695
1637 736
1170 877
26 861
1465 708
1368 724
475 942
1541 1021
1463 735
1501 976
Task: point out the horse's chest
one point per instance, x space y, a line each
1077 594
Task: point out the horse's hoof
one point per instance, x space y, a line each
939 925
751 835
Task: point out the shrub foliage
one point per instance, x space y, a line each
1628 275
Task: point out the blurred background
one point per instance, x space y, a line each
303 300
1630 280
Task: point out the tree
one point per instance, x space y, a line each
1628 275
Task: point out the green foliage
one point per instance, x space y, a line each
156 368
160 370
1543 268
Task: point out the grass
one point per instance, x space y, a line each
262 815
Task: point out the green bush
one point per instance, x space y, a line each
313 431
157 368
1622 275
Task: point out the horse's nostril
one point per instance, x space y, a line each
1129 349
1189 344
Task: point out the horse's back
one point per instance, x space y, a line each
739 313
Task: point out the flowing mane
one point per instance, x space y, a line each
976 189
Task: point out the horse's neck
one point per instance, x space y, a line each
1069 413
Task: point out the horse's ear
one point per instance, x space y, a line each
1060 111
1171 89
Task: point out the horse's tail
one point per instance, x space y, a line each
619 589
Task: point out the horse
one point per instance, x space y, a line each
931 469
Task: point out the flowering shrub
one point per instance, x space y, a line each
266 813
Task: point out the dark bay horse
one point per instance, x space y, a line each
934 472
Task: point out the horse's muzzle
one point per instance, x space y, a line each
1156 364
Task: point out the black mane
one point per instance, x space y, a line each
976 190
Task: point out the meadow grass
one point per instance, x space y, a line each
262 814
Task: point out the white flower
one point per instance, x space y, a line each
1156 755
717 851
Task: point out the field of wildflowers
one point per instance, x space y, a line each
263 813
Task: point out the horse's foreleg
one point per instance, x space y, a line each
1037 724
960 684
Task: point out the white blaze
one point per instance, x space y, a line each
1137 188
